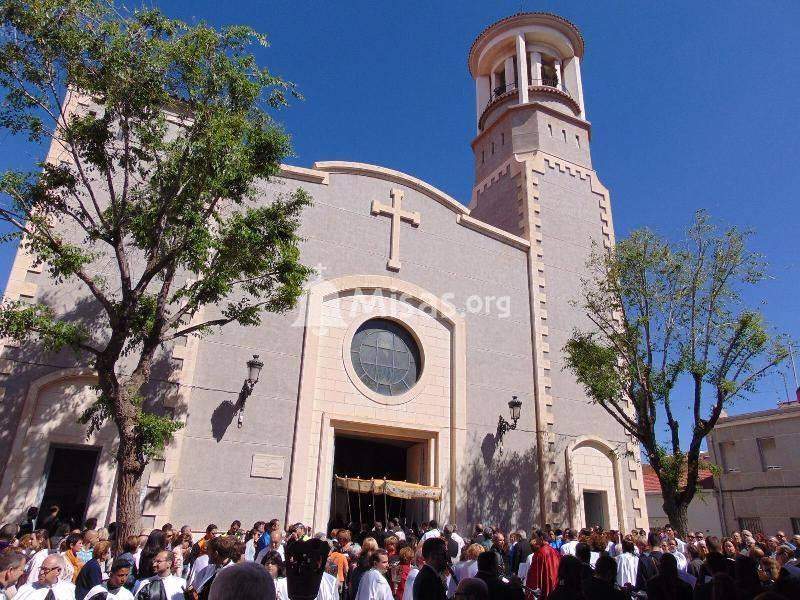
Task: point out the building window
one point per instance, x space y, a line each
550 129
385 357
502 139
727 458
564 134
767 454
751 524
492 147
578 141
483 156
796 525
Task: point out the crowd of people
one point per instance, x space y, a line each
39 559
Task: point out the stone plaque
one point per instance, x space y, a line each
267 466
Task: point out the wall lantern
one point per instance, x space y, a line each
503 426
254 366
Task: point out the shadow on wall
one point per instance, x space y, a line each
222 417
499 487
30 362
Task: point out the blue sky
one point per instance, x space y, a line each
693 105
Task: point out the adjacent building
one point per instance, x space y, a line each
758 487
703 513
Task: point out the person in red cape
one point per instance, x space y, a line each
543 572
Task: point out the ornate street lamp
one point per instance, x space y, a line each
254 367
503 426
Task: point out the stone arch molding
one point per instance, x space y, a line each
308 481
575 488
30 446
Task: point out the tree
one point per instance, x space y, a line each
151 203
670 329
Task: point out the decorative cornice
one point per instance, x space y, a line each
535 89
567 26
355 168
303 174
493 232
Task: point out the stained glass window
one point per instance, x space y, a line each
385 357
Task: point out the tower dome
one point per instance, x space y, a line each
525 58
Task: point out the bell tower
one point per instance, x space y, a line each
529 97
534 179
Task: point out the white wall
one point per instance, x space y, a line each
703 512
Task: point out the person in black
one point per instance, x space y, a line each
500 549
667 585
430 581
452 545
52 521
520 553
489 573
29 524
747 581
716 564
584 554
648 562
569 580
602 584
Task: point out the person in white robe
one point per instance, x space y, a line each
273 563
680 558
460 571
35 563
114 587
328 588
627 565
172 585
373 584
49 581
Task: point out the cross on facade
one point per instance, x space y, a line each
396 212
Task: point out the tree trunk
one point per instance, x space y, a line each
128 482
677 514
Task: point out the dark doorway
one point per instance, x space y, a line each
69 482
594 509
368 458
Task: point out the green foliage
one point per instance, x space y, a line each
154 433
20 322
667 312
153 194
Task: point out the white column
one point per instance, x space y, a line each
510 73
578 91
557 64
482 92
536 65
522 70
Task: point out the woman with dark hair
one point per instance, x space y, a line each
667 585
73 545
156 542
274 565
747 582
569 580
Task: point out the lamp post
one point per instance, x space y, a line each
254 366
503 426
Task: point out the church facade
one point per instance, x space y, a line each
426 317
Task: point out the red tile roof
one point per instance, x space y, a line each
705 480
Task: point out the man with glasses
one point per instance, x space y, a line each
163 585
48 586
